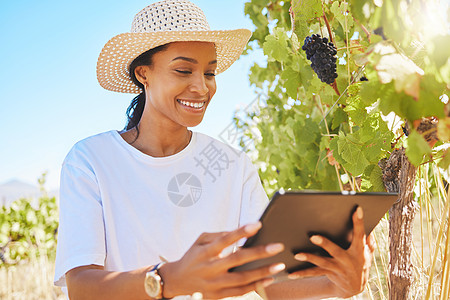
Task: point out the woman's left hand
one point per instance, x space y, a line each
347 270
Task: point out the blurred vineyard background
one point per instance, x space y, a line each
28 231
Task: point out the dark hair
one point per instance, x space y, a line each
134 111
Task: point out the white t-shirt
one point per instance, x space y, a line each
122 209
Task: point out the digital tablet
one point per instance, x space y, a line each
292 218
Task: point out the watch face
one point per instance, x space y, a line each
152 286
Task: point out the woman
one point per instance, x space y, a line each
136 206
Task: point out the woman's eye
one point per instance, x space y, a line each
210 74
183 71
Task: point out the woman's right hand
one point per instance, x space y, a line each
202 269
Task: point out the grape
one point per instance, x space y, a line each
379 31
405 130
364 78
321 53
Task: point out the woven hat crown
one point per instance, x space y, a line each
170 16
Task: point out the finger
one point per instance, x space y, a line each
241 290
234 279
232 237
371 242
311 272
325 263
245 255
358 228
349 236
208 237
332 249
368 256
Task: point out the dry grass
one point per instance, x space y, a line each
29 281
431 242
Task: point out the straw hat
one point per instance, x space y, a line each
158 24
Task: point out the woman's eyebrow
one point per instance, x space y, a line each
192 60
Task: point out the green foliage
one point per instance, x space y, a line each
27 232
311 131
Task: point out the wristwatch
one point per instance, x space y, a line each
153 282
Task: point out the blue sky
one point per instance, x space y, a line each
49 93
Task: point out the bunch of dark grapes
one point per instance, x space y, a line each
321 53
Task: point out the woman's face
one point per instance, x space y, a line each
181 82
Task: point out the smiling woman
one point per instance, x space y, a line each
156 210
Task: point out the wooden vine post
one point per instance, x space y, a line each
399 176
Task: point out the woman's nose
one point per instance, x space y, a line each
198 85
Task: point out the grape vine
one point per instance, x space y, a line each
322 136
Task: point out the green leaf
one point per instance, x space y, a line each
352 154
289 128
339 117
311 160
372 91
357 9
443 129
307 133
395 66
305 11
438 48
356 110
335 148
445 161
324 143
376 178
292 80
341 13
372 179
276 46
389 17
416 148
373 150
429 102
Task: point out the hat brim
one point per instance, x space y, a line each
118 53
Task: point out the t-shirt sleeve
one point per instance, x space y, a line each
81 231
254 198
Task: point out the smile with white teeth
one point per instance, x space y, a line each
192 104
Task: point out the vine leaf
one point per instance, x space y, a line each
340 13
292 81
276 46
352 154
417 148
443 129
304 11
394 66
339 117
372 179
445 163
